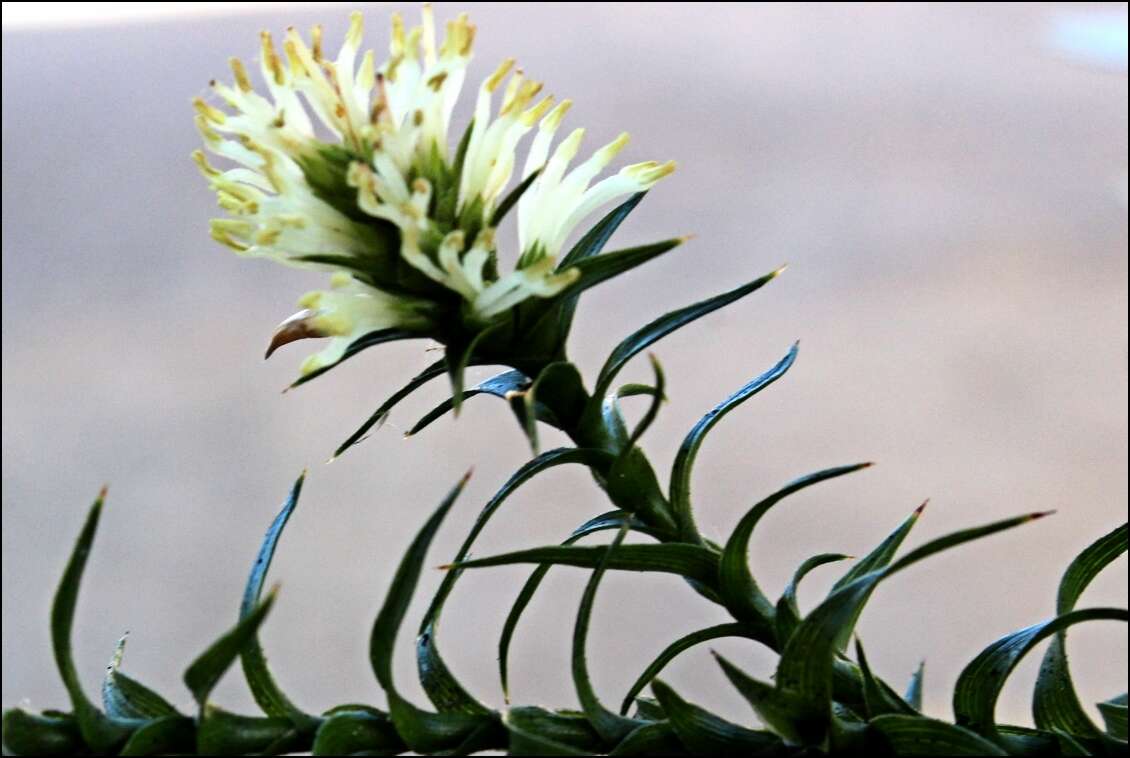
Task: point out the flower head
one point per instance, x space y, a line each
347 166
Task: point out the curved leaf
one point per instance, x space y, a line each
917 735
783 712
688 561
204 672
349 732
127 698
658 397
979 684
592 243
1055 705
223 733
788 611
378 337
437 369
166 735
684 460
534 730
422 731
913 694
500 386
611 520
100 732
388 621
434 675
464 356
259 679
610 726
877 697
807 663
597 237
653 738
742 597
27 733
594 271
703 733
1114 714
680 645
648 335
878 558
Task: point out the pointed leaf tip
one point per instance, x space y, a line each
918 511
1040 514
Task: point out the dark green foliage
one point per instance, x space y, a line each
819 701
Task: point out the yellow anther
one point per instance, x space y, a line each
242 80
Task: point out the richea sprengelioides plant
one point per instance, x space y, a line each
351 168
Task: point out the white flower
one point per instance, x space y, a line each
347 166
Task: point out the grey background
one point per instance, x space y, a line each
950 196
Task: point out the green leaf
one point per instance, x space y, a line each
684 460
546 460
878 698
653 738
127 698
1055 704
688 561
388 621
378 337
783 712
533 731
788 611
560 391
682 644
511 198
739 590
643 338
878 558
658 397
805 670
100 732
422 731
918 735
610 726
167 735
913 694
465 356
500 385
703 733
649 709
592 243
27 733
264 689
204 672
597 237
594 271
522 404
439 368
611 520
224 733
1068 745
524 741
350 732
1114 714
979 685
440 685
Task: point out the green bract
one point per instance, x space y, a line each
419 254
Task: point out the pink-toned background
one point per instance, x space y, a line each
948 184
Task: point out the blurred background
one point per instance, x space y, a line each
947 183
